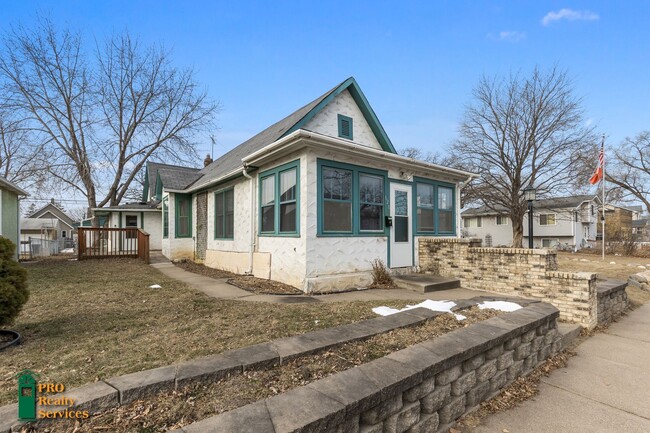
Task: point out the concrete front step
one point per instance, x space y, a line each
425 283
569 332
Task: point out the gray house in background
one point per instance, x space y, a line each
569 220
10 195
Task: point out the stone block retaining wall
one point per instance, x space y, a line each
423 388
513 271
612 301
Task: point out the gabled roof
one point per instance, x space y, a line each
5 184
293 122
570 202
171 177
56 211
38 224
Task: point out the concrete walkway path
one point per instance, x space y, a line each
218 288
605 388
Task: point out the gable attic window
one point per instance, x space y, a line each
345 127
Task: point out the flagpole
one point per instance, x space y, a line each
603 220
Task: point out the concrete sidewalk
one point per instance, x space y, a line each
218 288
605 388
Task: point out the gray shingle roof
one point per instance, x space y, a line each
233 159
640 223
133 206
547 203
172 176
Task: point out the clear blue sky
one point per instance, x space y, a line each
416 61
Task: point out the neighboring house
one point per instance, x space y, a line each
147 214
311 200
46 231
561 220
641 230
10 195
618 223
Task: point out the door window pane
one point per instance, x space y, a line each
337 216
401 203
401 229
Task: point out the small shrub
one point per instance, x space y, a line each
380 275
13 283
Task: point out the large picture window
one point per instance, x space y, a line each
435 208
224 214
351 200
280 200
183 216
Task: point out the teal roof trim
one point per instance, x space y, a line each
368 113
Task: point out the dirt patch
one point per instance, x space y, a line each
262 286
522 389
176 409
197 268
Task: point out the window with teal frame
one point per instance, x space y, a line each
224 214
279 198
183 216
351 200
165 208
435 207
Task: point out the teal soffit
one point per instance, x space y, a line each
368 113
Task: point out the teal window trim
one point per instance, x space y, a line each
275 173
436 185
178 198
165 209
356 201
340 120
221 195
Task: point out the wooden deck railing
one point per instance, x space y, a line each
98 242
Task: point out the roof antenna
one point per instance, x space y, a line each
214 141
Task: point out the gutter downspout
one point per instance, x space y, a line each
251 247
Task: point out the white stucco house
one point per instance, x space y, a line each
312 200
569 220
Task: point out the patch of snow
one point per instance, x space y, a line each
67 251
641 267
155 286
442 306
612 263
500 305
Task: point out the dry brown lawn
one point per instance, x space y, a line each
621 268
93 320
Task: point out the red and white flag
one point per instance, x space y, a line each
598 174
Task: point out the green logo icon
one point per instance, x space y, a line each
27 395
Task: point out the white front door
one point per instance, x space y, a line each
401 233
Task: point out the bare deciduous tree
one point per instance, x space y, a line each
629 168
99 117
523 131
18 154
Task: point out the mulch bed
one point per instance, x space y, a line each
262 286
200 269
182 407
249 283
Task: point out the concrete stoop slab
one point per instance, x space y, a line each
569 332
425 283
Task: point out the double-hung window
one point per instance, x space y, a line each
183 216
435 208
547 219
351 200
224 214
280 200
